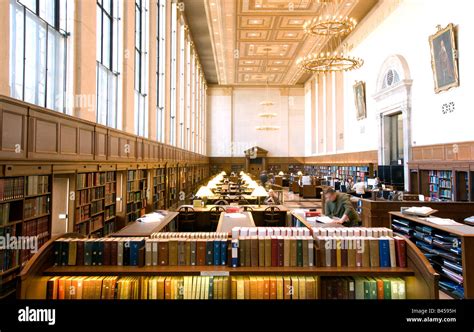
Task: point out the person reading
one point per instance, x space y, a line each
339 207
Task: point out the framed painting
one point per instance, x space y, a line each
360 101
444 59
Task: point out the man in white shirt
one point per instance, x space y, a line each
359 187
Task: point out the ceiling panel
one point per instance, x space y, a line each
259 41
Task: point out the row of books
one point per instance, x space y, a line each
100 251
97 207
38 228
269 231
145 288
136 174
138 252
37 206
363 288
135 196
109 212
275 287
12 188
217 288
266 251
37 185
83 213
187 249
9 258
338 251
352 231
84 180
4 214
96 223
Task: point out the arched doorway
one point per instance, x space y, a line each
393 103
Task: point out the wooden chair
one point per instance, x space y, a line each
186 219
214 216
248 208
221 202
272 217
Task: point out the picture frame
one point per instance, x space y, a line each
360 100
444 59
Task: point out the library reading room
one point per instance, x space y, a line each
289 156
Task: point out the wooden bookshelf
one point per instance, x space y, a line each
172 184
462 237
136 194
421 279
25 210
95 210
159 188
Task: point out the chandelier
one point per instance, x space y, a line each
267 104
334 29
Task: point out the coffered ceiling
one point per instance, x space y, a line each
258 41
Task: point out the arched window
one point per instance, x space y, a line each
391 78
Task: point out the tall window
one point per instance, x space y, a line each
161 79
173 73
188 94
141 67
182 66
38 37
108 62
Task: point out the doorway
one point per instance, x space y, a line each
393 136
61 207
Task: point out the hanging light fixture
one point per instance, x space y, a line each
334 28
267 104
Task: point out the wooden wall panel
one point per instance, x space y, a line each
68 140
45 135
354 158
462 151
13 125
100 143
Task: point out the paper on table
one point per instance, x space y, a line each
419 210
324 220
151 217
442 222
235 215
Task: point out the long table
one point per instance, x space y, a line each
202 215
142 229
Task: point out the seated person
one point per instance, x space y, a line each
339 207
272 198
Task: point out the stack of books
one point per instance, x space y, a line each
186 249
363 288
272 247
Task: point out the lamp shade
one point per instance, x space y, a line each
259 192
281 173
211 185
300 173
204 192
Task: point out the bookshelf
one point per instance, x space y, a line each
25 210
172 182
136 194
447 249
419 277
342 172
441 185
159 188
95 210
462 186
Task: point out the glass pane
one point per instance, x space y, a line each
107 6
112 101
137 71
55 71
35 62
47 11
99 34
106 42
63 15
115 52
30 4
16 51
